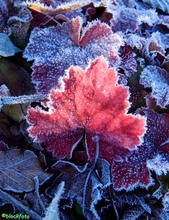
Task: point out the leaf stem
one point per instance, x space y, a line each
96 140
36 180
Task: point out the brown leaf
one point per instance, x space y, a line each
17 170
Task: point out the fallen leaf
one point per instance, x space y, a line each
18 170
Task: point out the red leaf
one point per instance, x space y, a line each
87 101
131 172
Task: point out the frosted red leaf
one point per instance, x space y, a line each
55 49
134 170
87 102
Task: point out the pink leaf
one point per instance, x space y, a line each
55 49
88 101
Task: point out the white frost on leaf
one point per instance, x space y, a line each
130 19
4 91
7 48
55 49
158 79
158 164
149 46
54 7
52 212
166 202
158 4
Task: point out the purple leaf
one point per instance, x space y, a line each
166 202
158 79
150 45
4 91
134 170
130 19
133 200
128 60
133 213
75 181
159 164
55 49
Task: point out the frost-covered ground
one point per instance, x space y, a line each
84 100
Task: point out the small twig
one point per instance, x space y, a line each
96 140
36 180
10 199
115 210
13 100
